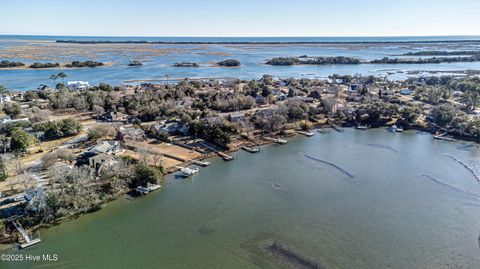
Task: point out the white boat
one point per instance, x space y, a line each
393 128
362 127
309 134
186 171
148 188
399 129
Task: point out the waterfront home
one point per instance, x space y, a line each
107 147
125 134
102 149
78 85
405 92
101 161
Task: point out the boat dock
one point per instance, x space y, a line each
250 149
28 241
224 156
145 190
336 128
444 137
200 163
309 134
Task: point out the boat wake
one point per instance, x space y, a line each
345 172
450 186
464 165
276 186
380 146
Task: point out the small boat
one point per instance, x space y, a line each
149 188
281 141
309 134
322 131
393 128
362 127
399 129
186 171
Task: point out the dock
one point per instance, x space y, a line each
200 163
336 128
250 149
145 190
224 156
28 241
309 134
444 137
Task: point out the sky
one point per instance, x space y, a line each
247 18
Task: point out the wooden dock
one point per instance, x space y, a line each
444 138
200 163
224 156
336 128
28 241
250 149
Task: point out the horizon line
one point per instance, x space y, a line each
255 36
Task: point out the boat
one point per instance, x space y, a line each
149 188
281 141
186 171
393 128
322 131
309 134
399 129
362 127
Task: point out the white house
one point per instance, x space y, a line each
78 85
5 99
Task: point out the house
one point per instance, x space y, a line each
107 147
5 99
215 120
260 100
236 117
99 154
265 112
101 161
78 85
130 134
113 116
405 92
171 128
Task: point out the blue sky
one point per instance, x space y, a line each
240 18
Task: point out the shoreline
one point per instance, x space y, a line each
61 67
262 42
258 141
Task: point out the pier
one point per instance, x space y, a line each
224 156
250 149
444 137
28 241
145 190
336 128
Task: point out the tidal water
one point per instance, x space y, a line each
405 205
159 58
